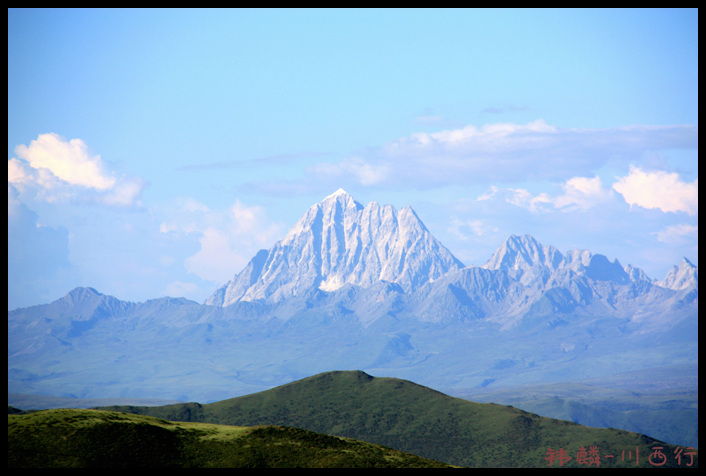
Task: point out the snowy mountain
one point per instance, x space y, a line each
368 288
525 259
338 242
683 276
520 253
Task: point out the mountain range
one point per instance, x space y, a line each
369 288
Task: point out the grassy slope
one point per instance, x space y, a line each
93 438
414 419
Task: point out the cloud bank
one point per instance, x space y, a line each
228 239
501 153
56 169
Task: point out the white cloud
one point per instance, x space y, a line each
461 228
583 192
524 199
579 192
678 234
661 190
125 193
501 153
35 253
216 260
504 154
489 136
69 161
487 196
57 169
246 219
47 186
362 171
228 238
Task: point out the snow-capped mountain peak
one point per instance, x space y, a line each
523 258
339 204
336 242
681 276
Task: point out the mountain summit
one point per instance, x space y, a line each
336 242
683 276
522 256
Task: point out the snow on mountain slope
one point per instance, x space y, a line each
682 276
525 259
353 286
339 241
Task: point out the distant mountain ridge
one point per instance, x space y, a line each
338 241
525 259
366 288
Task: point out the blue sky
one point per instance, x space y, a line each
153 152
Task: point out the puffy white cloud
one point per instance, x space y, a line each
70 161
583 192
228 239
216 260
660 190
57 169
656 190
47 186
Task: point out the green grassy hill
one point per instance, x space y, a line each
103 439
419 420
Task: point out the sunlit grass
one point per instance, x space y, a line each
94 438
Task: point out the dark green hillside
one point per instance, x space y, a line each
102 439
416 419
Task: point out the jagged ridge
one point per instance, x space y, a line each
339 241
